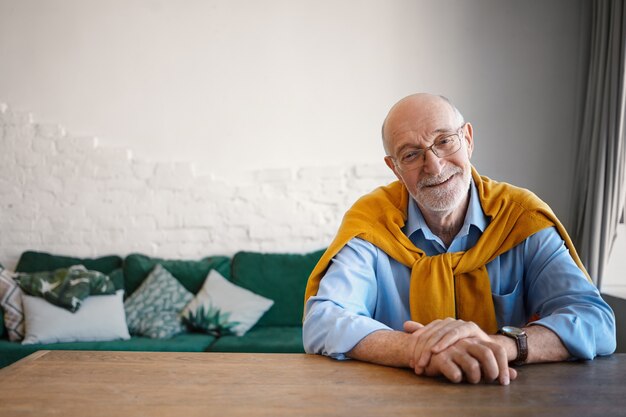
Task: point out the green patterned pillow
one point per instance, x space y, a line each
154 309
66 287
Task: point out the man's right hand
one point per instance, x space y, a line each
478 357
473 360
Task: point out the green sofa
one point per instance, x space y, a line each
280 277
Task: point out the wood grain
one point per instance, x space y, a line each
73 383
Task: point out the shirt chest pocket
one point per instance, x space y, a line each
507 290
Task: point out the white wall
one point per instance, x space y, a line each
244 87
69 195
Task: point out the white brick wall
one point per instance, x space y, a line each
68 195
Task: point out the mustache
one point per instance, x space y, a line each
442 177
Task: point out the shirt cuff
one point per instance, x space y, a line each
579 337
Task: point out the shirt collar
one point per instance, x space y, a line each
474 217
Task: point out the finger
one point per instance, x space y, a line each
422 348
452 371
504 373
513 374
432 336
493 360
486 357
414 329
471 367
462 330
412 326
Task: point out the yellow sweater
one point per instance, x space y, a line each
450 284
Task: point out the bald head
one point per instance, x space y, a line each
418 109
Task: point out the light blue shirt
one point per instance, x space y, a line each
365 290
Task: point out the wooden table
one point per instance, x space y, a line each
71 383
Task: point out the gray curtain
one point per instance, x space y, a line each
601 161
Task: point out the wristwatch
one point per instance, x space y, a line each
520 339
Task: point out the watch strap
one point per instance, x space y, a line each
521 341
522 349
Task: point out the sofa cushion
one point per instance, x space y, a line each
287 339
101 317
222 307
190 273
280 277
154 309
117 276
41 261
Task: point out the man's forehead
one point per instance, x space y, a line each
422 131
420 127
421 113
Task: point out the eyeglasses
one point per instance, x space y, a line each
413 158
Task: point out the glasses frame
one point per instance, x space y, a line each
460 132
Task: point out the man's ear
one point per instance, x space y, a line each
468 131
392 166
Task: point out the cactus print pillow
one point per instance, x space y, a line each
222 308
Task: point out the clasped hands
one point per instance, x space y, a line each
458 350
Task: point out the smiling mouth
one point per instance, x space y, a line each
442 182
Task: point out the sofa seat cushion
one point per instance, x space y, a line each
283 339
186 342
31 261
279 277
190 273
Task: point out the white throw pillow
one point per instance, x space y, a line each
100 318
223 307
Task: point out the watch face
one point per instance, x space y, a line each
513 331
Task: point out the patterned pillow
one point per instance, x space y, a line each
11 302
154 309
222 307
66 287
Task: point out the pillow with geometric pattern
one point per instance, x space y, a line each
153 310
11 302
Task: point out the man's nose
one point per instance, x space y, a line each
432 163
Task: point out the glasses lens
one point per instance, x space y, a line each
411 159
414 159
447 146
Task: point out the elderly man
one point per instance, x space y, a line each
448 272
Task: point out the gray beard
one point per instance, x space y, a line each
447 197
